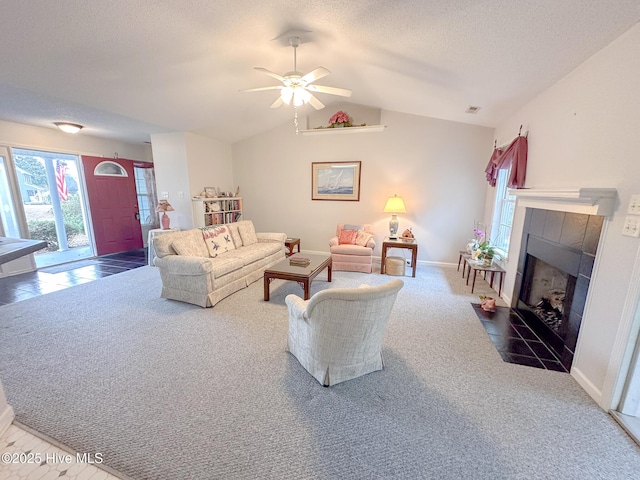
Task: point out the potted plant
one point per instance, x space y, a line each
487 253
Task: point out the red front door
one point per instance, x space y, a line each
113 203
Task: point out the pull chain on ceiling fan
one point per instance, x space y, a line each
296 88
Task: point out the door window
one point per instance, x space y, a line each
51 192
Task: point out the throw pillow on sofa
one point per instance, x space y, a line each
347 237
218 240
248 234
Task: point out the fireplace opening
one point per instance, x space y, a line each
548 292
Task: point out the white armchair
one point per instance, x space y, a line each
336 335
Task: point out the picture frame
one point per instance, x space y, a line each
338 181
210 192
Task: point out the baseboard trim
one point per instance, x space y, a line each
588 386
6 417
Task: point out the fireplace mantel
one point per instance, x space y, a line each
590 201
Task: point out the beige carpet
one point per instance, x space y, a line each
167 390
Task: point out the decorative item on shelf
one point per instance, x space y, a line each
488 304
164 206
394 206
341 119
407 236
237 191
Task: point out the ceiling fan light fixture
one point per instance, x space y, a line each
286 94
296 88
300 97
68 127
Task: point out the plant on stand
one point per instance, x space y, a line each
481 249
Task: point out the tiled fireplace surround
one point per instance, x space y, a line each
566 243
561 232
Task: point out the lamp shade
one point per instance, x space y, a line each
164 206
395 204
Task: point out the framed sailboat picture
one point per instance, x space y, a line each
335 181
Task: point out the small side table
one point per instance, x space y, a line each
290 243
389 243
463 256
151 253
493 269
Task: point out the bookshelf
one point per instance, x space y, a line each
216 211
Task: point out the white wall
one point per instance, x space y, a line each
583 133
185 163
436 166
54 140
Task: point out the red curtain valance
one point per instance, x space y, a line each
514 156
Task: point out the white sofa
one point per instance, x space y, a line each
193 272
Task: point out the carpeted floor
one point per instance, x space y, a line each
167 390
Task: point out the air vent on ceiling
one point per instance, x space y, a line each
472 109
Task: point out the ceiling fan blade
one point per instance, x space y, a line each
260 89
270 73
316 74
277 103
343 92
315 103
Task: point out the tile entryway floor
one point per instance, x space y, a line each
27 457
54 462
49 279
515 341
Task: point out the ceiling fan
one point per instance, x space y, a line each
297 88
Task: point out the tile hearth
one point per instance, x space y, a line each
515 341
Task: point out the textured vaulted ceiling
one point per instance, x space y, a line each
128 68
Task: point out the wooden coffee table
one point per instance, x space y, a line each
303 275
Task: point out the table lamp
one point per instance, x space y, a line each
164 206
394 206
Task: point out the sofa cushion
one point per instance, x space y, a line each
162 244
247 233
235 234
218 240
187 247
224 264
257 251
351 250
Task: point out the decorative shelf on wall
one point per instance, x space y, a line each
343 130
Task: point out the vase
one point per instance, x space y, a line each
472 246
488 304
166 221
487 261
339 125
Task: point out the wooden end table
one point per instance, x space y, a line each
290 243
303 275
477 267
389 243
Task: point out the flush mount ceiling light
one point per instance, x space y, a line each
68 127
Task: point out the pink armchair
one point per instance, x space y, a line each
352 251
